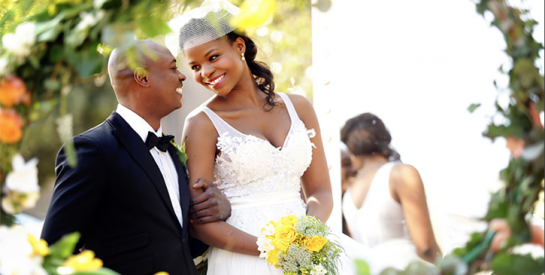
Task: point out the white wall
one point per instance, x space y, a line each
418 65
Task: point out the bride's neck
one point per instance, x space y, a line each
246 92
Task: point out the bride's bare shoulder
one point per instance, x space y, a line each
197 121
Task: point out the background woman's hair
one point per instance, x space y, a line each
366 134
260 70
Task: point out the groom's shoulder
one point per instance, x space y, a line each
102 131
100 135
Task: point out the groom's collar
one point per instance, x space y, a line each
137 123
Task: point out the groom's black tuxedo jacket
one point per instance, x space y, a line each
117 199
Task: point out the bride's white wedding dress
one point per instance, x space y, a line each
262 183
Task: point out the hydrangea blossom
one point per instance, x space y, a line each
20 42
296 258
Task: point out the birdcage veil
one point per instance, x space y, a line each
208 22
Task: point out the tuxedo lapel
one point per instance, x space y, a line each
140 153
183 183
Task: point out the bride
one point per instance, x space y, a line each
260 147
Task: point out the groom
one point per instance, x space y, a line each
128 196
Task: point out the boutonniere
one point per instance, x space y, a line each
180 151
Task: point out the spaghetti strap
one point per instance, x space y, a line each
221 126
289 106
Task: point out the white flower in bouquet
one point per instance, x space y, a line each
20 42
3 66
264 244
16 253
318 270
24 177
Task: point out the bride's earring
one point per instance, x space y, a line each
243 57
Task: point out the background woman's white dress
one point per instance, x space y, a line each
379 224
262 183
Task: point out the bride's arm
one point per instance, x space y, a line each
316 183
200 141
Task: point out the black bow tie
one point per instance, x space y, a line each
160 142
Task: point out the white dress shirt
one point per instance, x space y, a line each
163 159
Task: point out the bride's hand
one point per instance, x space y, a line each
210 205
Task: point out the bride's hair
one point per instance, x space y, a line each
366 134
260 70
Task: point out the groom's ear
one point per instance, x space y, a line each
141 77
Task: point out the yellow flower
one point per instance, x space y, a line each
273 258
161 273
284 235
39 247
254 13
84 261
315 243
289 220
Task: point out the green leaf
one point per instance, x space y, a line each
65 246
323 5
482 7
153 26
473 107
71 153
56 52
509 264
120 35
50 30
87 61
362 268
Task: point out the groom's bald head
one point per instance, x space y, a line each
146 80
124 65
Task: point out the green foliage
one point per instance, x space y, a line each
323 5
65 246
362 268
523 177
509 264
473 107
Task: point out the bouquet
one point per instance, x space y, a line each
299 246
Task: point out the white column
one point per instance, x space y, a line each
325 105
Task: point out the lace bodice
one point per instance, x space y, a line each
249 165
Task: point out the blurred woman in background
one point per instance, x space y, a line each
385 207
348 172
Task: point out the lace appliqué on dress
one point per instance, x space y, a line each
249 165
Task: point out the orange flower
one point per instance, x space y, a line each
10 127
515 145
13 91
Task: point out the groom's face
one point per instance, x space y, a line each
166 82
